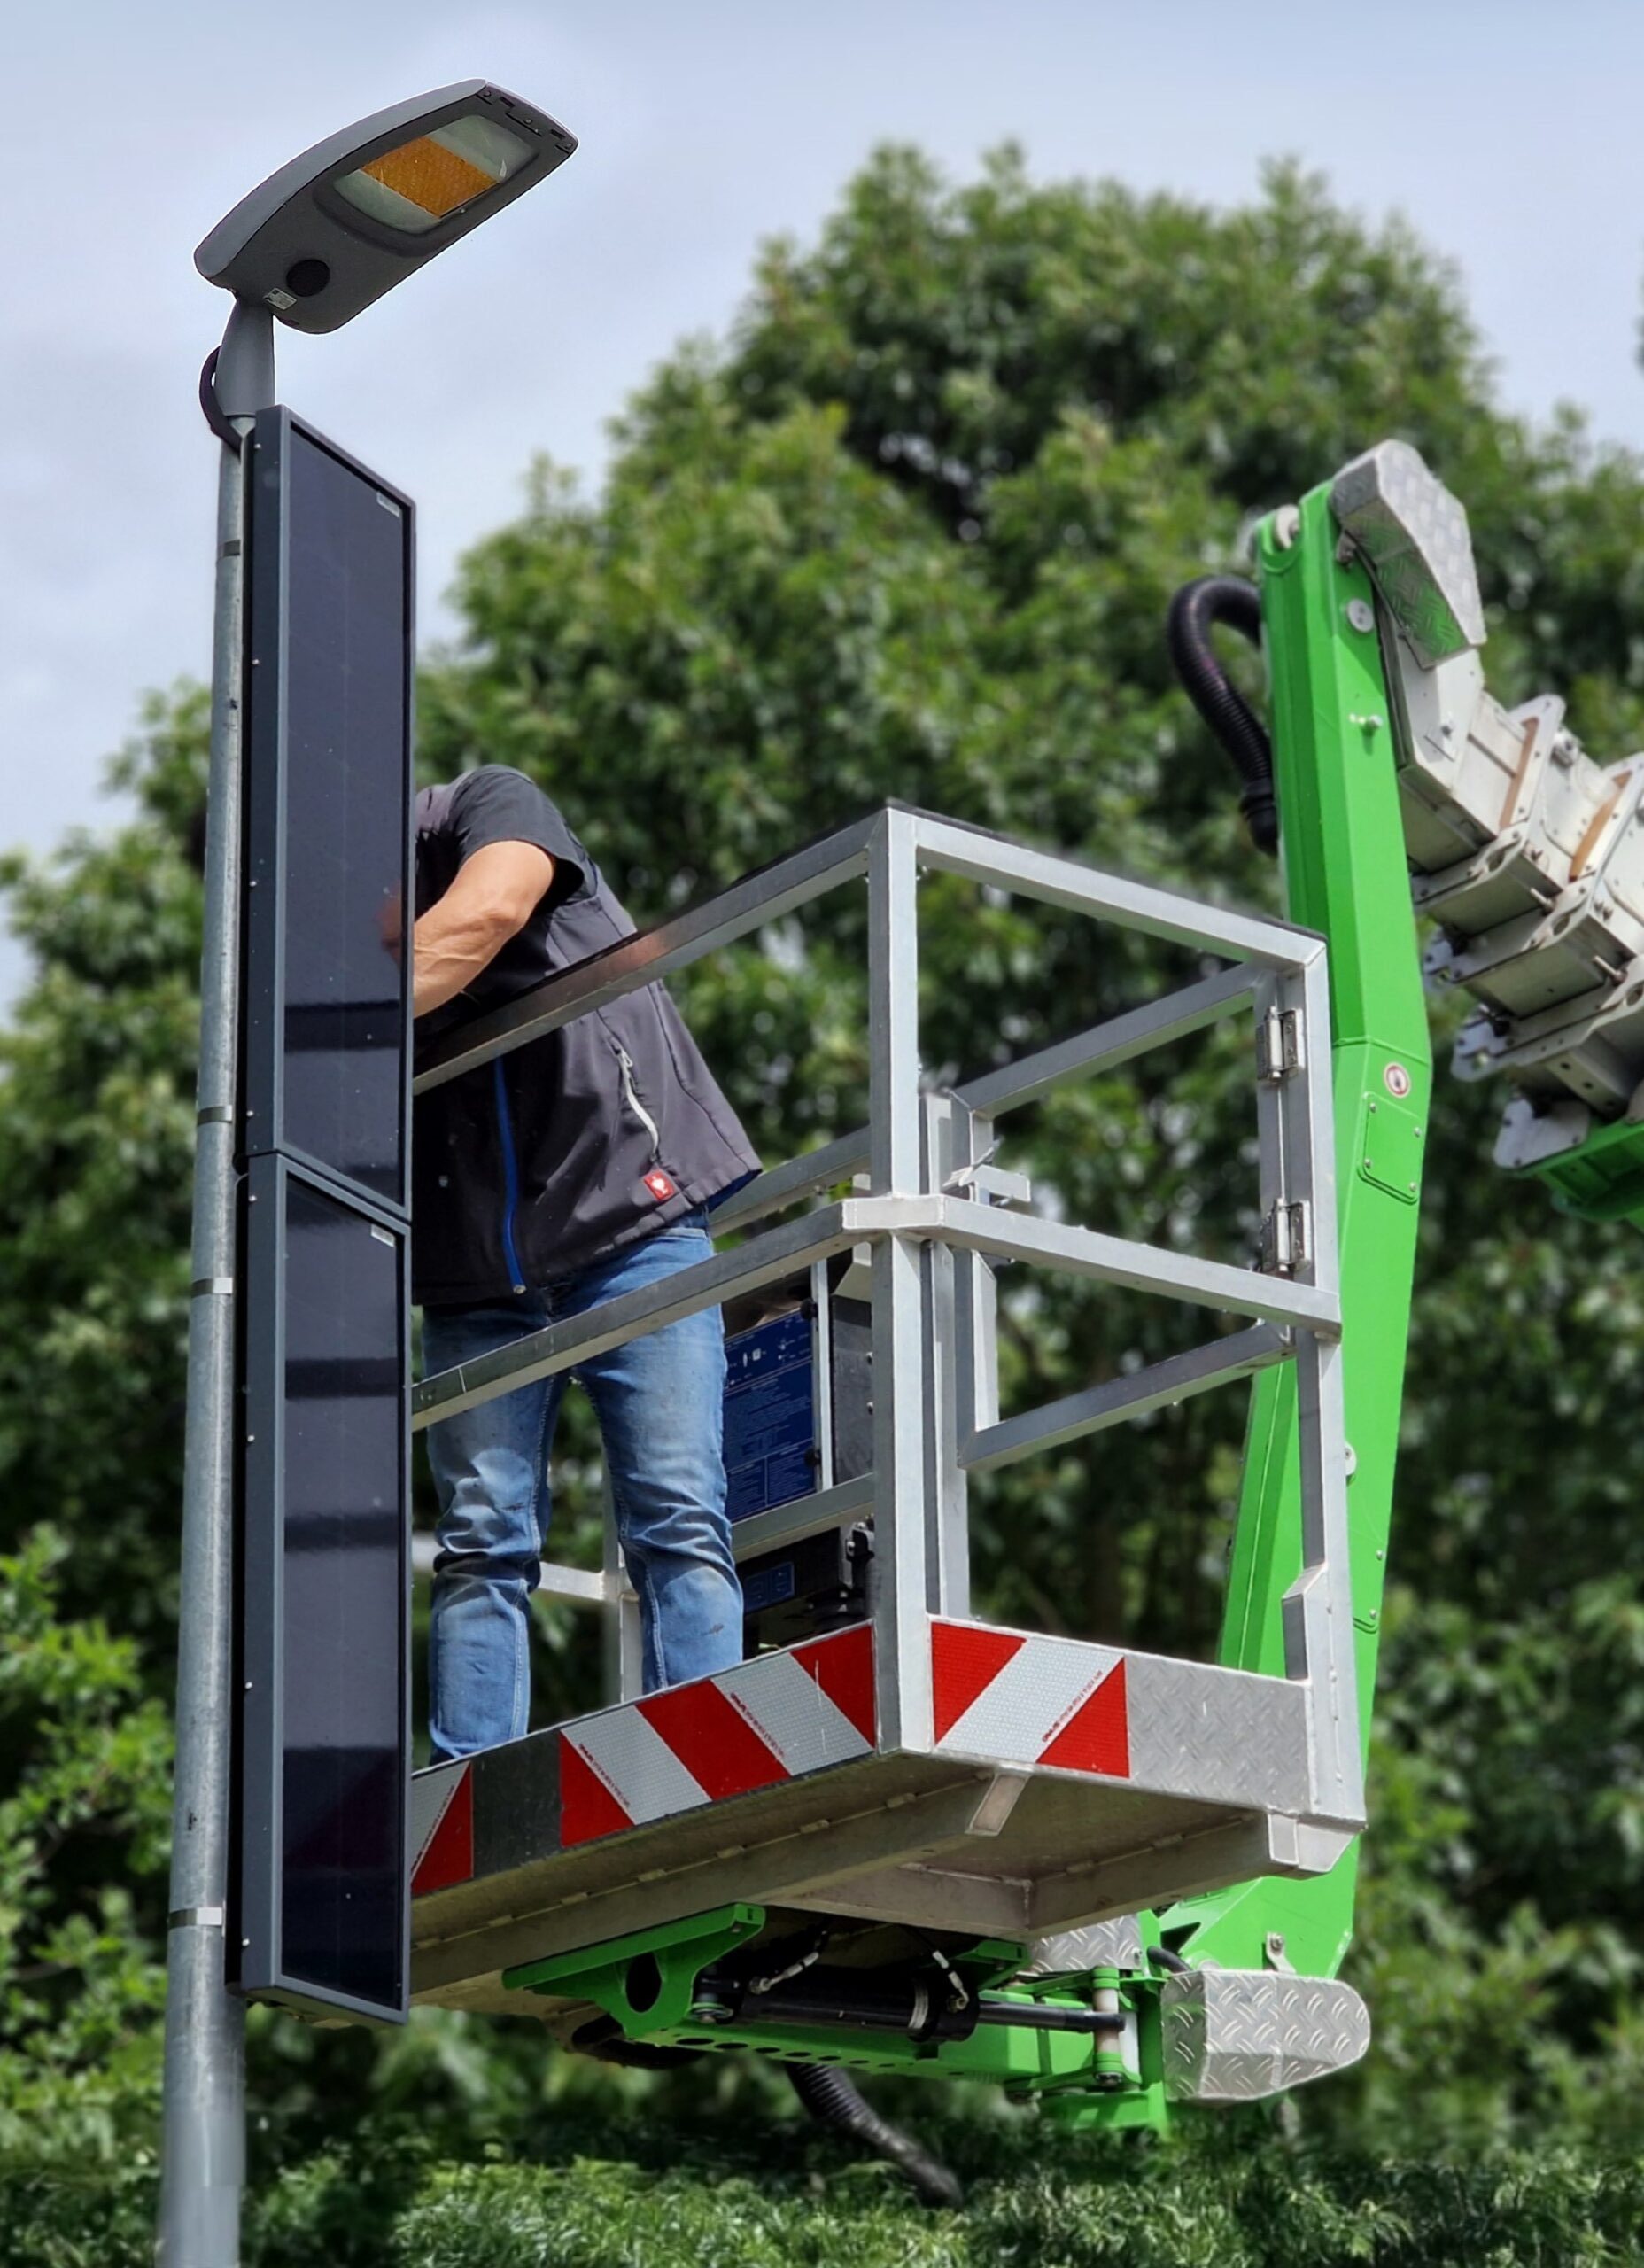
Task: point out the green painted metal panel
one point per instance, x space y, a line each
1393 1135
1603 1179
1345 876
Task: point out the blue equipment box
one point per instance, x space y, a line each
772 1450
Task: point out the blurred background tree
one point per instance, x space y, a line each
911 530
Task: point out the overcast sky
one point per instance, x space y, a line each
1509 135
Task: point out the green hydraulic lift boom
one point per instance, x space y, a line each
1398 773
1346 873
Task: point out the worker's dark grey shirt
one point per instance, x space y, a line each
534 1166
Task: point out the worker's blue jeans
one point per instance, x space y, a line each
660 1404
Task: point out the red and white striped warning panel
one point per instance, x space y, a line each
768 1719
773 1719
1189 1729
1024 1700
442 1827
1001 1697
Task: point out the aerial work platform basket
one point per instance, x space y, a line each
921 1768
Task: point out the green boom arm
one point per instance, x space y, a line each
1345 874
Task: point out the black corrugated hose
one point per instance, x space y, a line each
829 2096
1193 611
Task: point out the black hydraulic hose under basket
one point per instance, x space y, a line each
830 2097
1193 611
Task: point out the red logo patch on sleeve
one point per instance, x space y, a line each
657 1182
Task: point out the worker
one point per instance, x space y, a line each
576 1167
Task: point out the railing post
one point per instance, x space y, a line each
948 1350
1298 1235
622 1656
900 1267
976 1298
1318 1612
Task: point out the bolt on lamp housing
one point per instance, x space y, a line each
333 230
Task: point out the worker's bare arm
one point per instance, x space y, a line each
494 895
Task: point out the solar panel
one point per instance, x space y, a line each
329 793
325 1686
324 1747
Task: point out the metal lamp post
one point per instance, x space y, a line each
312 245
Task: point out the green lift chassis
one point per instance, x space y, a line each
1393 769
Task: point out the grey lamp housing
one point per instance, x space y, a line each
342 223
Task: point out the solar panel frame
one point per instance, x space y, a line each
284 449
263 1966
328 659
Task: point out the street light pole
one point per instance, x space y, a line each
320 240
204 2100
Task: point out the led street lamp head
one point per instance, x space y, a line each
337 228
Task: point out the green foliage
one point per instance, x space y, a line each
1225 2195
83 1820
911 533
97 1129
1090 2204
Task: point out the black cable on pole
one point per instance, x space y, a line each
211 408
1194 610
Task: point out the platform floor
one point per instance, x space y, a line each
927 1840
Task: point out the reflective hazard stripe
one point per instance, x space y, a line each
634 1764
770 1719
1000 1694
786 1705
442 1827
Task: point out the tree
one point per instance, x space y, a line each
96 1123
87 1764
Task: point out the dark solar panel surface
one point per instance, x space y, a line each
347 599
342 1541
